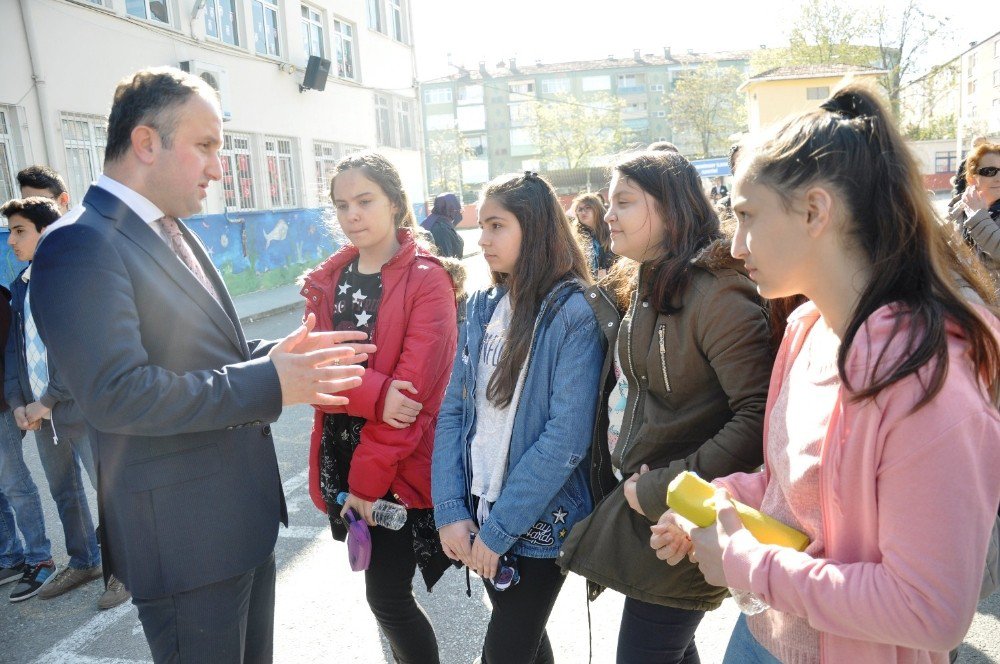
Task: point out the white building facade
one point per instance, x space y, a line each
62 58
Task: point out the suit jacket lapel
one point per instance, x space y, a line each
129 224
212 273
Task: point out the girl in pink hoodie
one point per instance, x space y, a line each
882 434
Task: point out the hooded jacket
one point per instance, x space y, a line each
415 334
697 384
441 222
907 499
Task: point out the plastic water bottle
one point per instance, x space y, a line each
385 513
749 603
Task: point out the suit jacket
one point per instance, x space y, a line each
66 417
177 400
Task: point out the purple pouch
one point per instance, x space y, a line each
359 542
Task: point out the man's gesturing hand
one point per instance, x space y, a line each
312 366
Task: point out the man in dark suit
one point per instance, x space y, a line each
178 402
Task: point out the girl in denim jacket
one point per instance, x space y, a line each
509 474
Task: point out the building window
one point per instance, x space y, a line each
327 155
84 138
150 10
383 120
265 27
476 146
220 21
656 87
7 168
280 161
396 21
972 64
404 124
996 77
595 83
555 85
522 88
972 87
343 36
470 94
237 171
945 162
440 121
312 32
376 18
522 113
437 96
818 93
471 118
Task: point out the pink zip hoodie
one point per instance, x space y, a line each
908 501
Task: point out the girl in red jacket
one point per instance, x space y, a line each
379 445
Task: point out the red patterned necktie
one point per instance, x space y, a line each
183 251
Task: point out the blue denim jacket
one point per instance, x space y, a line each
546 489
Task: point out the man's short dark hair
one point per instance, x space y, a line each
40 211
150 97
42 177
663 146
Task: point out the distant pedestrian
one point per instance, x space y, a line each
887 379
588 212
390 287
977 214
509 472
441 222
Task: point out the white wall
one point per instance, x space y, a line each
82 51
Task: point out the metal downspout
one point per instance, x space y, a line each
48 136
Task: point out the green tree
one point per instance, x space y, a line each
941 127
829 32
570 132
445 150
706 106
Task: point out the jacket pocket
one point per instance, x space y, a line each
661 334
173 468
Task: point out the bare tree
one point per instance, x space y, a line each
902 38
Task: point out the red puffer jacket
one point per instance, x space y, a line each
416 334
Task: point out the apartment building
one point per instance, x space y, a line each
492 109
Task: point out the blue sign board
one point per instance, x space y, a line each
713 168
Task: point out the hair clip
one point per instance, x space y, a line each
530 175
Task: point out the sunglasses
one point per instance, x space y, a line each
988 171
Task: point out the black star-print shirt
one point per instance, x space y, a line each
355 307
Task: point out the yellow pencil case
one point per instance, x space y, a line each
694 499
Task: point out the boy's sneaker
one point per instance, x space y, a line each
67 579
34 577
11 574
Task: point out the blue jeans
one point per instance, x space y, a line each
744 649
20 505
61 461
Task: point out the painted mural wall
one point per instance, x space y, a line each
252 250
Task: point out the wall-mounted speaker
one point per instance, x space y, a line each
317 71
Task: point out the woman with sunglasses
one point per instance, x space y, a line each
978 213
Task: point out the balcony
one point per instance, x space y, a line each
632 90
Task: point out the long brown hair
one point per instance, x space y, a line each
689 221
601 232
852 146
549 254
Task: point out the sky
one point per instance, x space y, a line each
564 30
